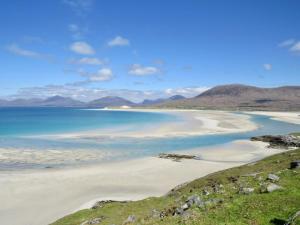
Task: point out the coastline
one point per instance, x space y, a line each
288 117
191 122
54 193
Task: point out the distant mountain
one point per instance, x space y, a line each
176 97
20 102
55 101
110 101
242 97
60 101
149 102
152 101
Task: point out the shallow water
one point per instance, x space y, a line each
16 123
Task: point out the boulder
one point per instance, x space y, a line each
195 200
179 211
246 191
273 187
185 206
295 164
273 177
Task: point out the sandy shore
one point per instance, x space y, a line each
190 122
289 117
39 197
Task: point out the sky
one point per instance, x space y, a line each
87 49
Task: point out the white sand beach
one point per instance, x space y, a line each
289 117
41 196
38 197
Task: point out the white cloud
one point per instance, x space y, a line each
80 7
118 41
287 43
295 47
139 70
88 61
104 74
267 66
15 49
81 47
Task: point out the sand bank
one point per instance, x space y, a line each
39 197
289 117
190 122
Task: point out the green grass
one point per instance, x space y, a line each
236 209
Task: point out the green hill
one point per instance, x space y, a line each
233 196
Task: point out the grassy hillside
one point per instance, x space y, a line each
242 97
231 199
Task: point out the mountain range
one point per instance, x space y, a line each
242 97
59 101
225 97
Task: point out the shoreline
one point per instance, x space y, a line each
288 117
64 191
190 123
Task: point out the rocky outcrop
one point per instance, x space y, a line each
176 157
281 141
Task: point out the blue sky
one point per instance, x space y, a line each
87 49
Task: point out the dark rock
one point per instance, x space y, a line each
217 188
273 177
176 157
233 179
279 140
295 164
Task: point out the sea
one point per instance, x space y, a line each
25 133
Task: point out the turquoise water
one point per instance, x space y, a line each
16 123
33 121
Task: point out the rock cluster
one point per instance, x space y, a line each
176 157
93 221
279 140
